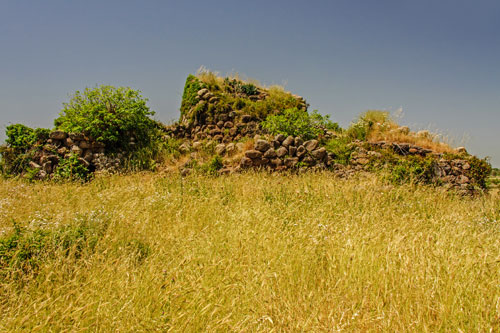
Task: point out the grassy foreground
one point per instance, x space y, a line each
257 252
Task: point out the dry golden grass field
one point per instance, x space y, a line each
248 252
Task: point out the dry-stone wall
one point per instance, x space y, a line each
452 173
90 153
286 153
229 127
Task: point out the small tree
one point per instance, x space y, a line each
109 115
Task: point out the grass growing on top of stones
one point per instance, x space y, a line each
377 125
255 252
233 94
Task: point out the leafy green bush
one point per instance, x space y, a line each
480 170
22 143
413 169
296 122
71 168
21 137
110 115
213 166
24 251
341 149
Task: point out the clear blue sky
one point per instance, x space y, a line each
438 60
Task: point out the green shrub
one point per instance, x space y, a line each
110 115
413 169
213 166
296 122
479 170
24 251
325 122
341 148
71 168
249 89
22 138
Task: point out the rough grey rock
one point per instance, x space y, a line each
311 145
58 135
270 154
319 154
292 150
202 92
288 141
253 154
281 152
301 151
291 162
280 138
220 149
262 145
276 162
308 160
298 141
231 148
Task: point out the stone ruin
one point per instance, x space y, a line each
279 153
229 127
